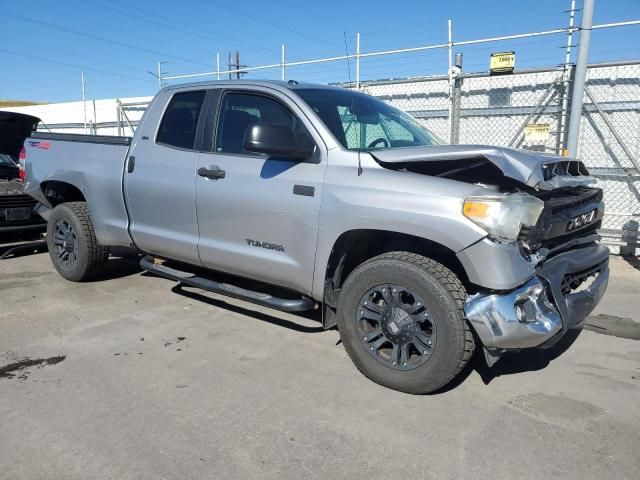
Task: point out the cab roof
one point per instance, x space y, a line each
279 84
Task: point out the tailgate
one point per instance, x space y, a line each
14 129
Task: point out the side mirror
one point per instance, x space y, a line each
276 140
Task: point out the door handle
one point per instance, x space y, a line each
212 171
131 164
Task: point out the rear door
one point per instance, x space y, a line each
260 220
160 177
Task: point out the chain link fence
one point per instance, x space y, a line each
526 109
529 109
610 145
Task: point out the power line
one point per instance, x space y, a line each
71 65
75 55
262 20
172 21
101 39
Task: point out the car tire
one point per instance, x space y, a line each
71 239
415 284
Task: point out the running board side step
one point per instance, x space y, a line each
187 278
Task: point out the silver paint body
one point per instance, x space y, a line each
167 210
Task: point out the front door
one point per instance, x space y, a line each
259 215
160 178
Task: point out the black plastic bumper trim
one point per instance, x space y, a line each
575 307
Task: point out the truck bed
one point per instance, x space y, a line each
92 164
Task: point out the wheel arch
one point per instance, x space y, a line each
354 247
58 191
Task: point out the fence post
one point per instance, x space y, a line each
118 117
579 78
283 64
357 61
84 103
159 75
456 97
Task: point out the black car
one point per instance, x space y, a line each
8 168
18 211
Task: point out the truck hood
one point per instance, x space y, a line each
537 170
14 129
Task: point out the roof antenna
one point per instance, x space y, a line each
346 49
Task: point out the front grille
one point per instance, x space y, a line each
560 206
574 200
572 281
524 234
571 168
17 201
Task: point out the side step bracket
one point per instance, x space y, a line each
187 278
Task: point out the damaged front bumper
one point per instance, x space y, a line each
565 289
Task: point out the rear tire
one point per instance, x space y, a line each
401 320
73 247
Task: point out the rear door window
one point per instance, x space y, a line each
180 120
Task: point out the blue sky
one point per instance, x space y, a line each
45 47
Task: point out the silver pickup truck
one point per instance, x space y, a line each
305 196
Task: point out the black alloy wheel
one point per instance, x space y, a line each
65 242
396 327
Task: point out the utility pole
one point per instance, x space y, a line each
580 77
84 102
235 66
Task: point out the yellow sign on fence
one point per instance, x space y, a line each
536 132
502 62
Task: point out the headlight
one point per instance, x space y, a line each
503 216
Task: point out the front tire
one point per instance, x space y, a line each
401 321
73 247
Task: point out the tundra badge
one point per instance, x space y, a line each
267 245
582 220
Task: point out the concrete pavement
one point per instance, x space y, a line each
163 384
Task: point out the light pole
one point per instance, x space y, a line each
580 77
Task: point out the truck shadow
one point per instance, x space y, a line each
118 267
511 363
632 261
21 243
315 315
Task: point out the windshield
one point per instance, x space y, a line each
362 122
